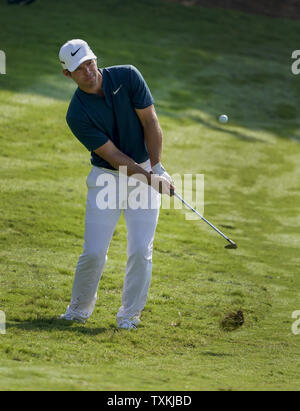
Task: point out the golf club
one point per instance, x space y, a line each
231 244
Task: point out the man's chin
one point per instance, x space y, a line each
89 83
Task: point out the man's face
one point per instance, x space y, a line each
85 75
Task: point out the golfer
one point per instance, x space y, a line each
113 116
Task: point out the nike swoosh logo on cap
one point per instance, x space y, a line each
73 54
116 91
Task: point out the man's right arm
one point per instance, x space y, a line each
116 158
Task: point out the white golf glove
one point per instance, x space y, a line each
160 170
162 185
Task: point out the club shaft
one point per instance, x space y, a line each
204 219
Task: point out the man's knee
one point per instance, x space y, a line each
94 257
141 252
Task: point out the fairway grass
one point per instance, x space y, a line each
199 63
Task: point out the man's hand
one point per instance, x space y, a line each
160 170
116 158
162 185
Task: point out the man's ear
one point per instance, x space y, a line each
67 73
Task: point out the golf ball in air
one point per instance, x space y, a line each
223 118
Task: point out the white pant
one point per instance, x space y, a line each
99 227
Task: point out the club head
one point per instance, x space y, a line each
231 246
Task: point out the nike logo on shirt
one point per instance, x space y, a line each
116 91
73 54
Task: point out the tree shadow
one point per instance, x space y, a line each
213 62
215 127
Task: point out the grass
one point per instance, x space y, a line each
199 63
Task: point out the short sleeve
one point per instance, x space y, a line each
89 135
140 92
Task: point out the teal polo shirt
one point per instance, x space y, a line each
94 119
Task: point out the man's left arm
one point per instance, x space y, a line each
143 102
152 133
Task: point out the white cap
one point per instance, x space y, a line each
75 52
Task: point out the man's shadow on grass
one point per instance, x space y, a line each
51 323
